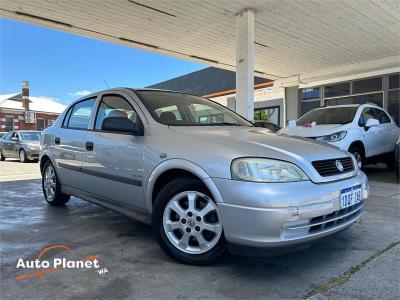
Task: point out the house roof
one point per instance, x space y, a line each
208 81
39 104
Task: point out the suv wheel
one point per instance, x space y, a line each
2 157
22 156
187 224
358 154
51 186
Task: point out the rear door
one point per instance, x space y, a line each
68 149
113 162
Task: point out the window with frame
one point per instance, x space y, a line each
367 113
79 115
367 85
381 116
9 122
336 90
114 106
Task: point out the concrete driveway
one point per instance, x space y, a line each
362 262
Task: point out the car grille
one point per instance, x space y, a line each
336 218
328 167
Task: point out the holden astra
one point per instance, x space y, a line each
203 176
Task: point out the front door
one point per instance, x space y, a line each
113 162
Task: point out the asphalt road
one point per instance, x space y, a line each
361 262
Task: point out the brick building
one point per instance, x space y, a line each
19 111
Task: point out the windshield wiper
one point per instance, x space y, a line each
222 124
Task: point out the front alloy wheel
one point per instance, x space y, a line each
22 156
187 224
192 223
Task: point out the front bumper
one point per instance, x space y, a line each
32 153
279 214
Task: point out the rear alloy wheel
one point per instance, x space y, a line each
187 223
51 186
22 156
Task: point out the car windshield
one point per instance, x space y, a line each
179 109
331 115
30 136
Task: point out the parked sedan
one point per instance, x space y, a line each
203 176
20 144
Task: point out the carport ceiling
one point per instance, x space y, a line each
291 37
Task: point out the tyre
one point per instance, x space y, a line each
2 157
391 161
22 156
51 186
187 224
358 154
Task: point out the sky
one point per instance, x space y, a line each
66 66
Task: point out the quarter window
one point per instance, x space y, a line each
114 106
79 115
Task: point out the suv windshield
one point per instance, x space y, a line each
331 115
30 136
178 109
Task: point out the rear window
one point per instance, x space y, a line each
330 115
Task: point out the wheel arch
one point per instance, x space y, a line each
171 169
359 144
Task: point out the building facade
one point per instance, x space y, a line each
19 111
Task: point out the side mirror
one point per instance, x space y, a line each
122 125
14 138
371 123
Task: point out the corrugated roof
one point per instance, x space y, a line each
40 104
204 82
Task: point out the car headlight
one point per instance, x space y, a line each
334 137
265 170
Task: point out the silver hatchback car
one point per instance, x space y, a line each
203 176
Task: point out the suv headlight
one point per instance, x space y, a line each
334 137
265 170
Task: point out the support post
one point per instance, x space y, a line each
245 64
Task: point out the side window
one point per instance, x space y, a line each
7 136
366 114
114 106
66 118
80 114
381 116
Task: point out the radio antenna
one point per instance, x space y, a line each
106 82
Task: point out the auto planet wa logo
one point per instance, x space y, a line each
40 266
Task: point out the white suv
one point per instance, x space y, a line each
367 131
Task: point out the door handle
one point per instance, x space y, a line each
57 141
89 146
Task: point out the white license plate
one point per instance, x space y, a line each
350 196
